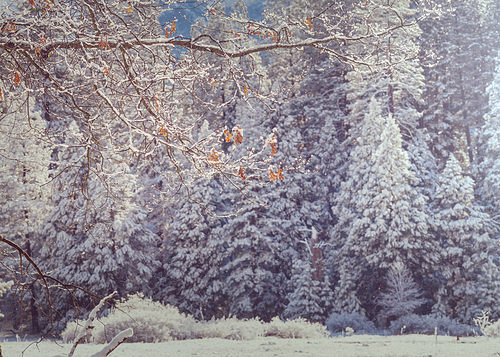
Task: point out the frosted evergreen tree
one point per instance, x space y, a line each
327 297
25 158
394 76
96 239
305 300
457 75
488 171
467 263
381 218
193 254
256 243
310 125
254 281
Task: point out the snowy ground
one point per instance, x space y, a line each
363 345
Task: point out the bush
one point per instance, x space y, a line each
426 324
488 328
155 322
492 330
232 329
358 322
151 322
297 328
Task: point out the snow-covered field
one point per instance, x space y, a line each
358 345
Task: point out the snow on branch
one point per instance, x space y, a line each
90 322
115 342
125 79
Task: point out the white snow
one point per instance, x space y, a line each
357 345
115 343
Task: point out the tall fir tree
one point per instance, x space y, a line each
193 253
458 52
381 218
305 298
467 264
96 236
487 172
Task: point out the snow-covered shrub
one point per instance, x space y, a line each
232 328
426 324
155 322
297 328
358 322
151 322
73 329
483 322
488 328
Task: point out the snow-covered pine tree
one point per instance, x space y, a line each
381 218
256 267
287 68
96 240
310 125
391 74
487 172
254 278
327 297
193 253
305 298
457 75
394 76
467 263
24 185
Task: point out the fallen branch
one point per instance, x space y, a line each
89 324
115 342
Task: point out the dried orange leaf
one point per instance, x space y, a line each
241 173
280 175
17 78
272 142
274 150
228 136
214 156
272 176
238 135
102 43
308 23
169 32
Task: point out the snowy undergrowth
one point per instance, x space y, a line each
418 324
155 322
357 322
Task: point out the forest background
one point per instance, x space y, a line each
380 169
